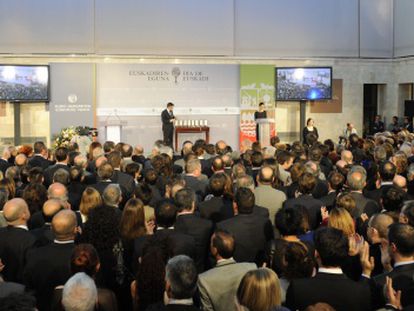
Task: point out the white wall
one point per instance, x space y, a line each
180 27
296 28
403 28
46 26
376 28
266 28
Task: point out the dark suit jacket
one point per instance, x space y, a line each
43 235
336 290
364 205
126 181
14 244
182 244
165 118
402 279
201 230
50 171
162 307
8 288
312 205
47 267
39 161
75 190
216 209
261 211
4 165
251 234
377 193
329 200
200 187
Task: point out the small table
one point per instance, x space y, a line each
191 129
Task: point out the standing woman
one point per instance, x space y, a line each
308 129
260 114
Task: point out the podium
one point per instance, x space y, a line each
266 129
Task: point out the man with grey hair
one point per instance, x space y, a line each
180 285
356 181
187 148
380 154
59 192
112 195
61 176
80 293
192 178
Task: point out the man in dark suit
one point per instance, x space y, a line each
44 234
218 207
307 183
62 158
378 126
356 182
15 239
167 118
400 248
105 172
39 158
4 160
125 180
188 223
387 171
165 217
192 178
48 266
330 285
335 183
251 232
180 285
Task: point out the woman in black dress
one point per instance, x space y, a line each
261 114
308 129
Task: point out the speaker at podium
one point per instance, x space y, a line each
266 129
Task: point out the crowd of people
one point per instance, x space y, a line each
315 226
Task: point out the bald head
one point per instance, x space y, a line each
16 212
64 225
400 181
100 161
381 222
138 150
20 159
80 161
266 175
356 181
347 156
51 207
57 191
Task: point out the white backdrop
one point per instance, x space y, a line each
135 95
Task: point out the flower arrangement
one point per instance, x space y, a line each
67 134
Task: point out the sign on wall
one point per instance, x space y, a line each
256 86
145 89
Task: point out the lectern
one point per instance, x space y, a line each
266 130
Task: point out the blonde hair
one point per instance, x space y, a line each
91 198
259 290
340 218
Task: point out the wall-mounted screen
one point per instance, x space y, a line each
306 83
24 83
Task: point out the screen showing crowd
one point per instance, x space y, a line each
303 83
24 83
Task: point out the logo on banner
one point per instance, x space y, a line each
177 75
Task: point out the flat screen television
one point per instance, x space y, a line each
24 83
305 83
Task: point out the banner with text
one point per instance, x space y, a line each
257 84
145 89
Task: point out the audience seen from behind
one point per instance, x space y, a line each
315 226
